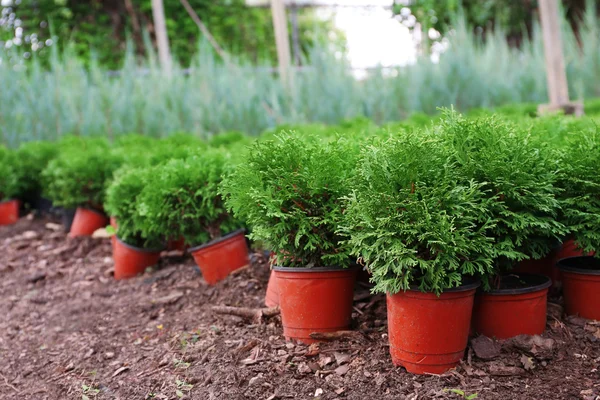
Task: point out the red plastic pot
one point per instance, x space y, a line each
518 307
428 334
314 300
272 296
9 212
581 286
131 261
113 223
86 222
567 249
219 258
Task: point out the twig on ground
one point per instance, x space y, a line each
339 335
257 315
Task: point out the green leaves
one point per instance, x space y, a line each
290 191
9 174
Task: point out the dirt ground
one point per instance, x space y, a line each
70 331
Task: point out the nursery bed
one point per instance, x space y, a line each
68 331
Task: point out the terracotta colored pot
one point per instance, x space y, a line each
581 286
113 223
9 212
544 266
314 300
219 258
176 244
427 333
131 261
517 308
86 222
272 296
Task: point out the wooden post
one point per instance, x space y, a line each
162 39
295 34
282 40
558 88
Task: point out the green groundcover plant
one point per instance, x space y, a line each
289 191
413 221
518 174
9 174
579 178
181 199
33 157
122 197
78 176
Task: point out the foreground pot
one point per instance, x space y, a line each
314 300
428 334
581 286
115 226
9 212
272 296
518 307
130 260
86 222
219 258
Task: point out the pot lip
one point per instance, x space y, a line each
92 210
524 290
8 200
140 249
217 240
313 269
469 284
566 268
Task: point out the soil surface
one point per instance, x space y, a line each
68 330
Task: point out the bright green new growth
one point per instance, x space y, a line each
9 174
518 174
413 221
181 199
79 175
579 178
289 191
33 157
122 203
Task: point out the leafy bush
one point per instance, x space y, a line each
33 157
9 174
122 203
519 178
579 179
413 221
181 199
290 191
79 175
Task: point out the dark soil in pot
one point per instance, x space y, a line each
516 307
581 286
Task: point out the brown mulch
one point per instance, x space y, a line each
68 330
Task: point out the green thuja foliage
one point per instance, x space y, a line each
122 203
181 199
33 157
518 174
289 191
78 176
413 221
579 179
9 174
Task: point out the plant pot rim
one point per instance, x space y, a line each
94 210
468 284
313 269
140 249
545 283
8 200
582 271
217 240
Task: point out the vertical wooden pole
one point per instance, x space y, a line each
295 34
162 39
282 40
558 89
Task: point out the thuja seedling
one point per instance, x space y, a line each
88 391
182 385
181 364
462 394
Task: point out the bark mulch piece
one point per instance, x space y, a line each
70 331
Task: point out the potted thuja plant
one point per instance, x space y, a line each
182 200
290 191
33 158
518 175
423 235
580 199
9 187
133 249
77 179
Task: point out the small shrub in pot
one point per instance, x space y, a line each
289 191
33 157
10 186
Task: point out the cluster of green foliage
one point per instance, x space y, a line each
33 157
9 176
289 191
181 199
